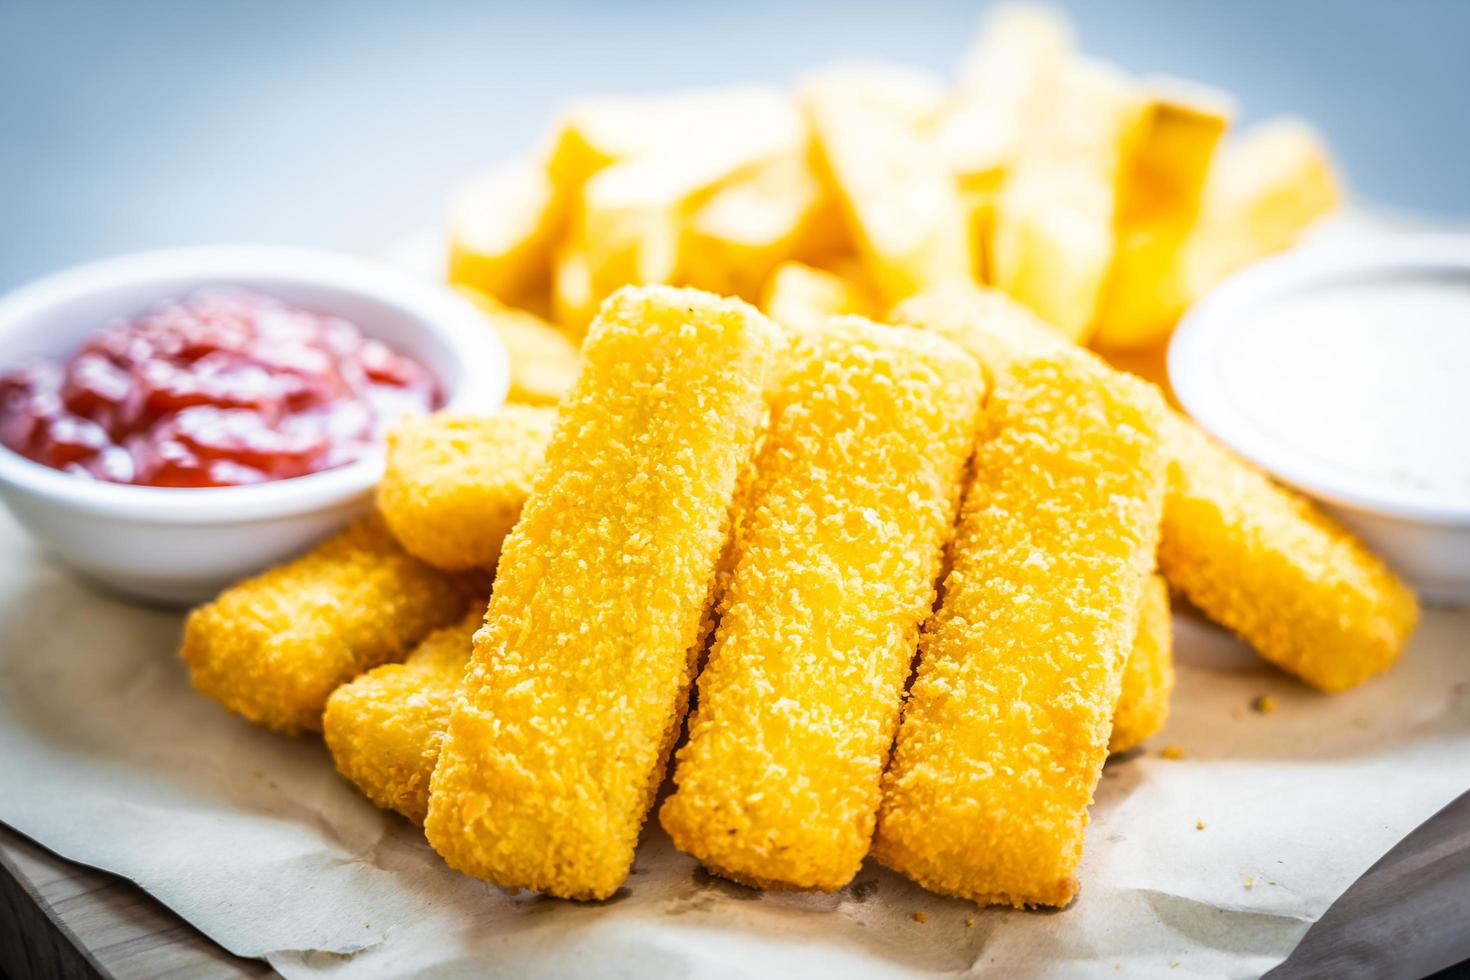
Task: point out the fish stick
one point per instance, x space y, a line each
272 648
1148 677
854 495
580 677
1254 556
384 728
1006 728
1270 566
454 485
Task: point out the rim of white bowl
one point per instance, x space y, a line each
1192 358
451 317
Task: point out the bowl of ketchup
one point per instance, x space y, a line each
173 421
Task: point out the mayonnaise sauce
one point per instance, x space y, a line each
1369 378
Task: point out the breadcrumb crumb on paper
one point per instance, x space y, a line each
835 558
579 679
1250 554
454 485
1006 728
1148 677
274 647
384 728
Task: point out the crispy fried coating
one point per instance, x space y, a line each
384 728
581 674
455 484
1264 562
854 495
543 362
1006 728
273 647
1148 677
1252 555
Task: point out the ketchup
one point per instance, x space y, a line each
222 387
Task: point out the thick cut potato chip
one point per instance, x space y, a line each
902 206
749 227
1053 241
1009 75
633 213
801 297
1159 204
543 362
502 228
572 303
1268 186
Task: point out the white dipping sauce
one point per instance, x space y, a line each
1368 377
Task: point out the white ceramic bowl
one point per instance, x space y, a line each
180 546
1423 533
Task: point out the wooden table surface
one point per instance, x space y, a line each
1407 917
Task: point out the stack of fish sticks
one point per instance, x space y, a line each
919 571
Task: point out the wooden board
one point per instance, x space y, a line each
1407 917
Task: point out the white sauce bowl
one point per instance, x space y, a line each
181 546
1344 370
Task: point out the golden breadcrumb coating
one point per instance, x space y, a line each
580 676
835 556
543 362
1148 677
1006 728
1266 563
273 647
1251 554
454 485
384 728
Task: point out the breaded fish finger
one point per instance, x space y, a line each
580 676
1006 728
1148 677
1251 554
835 557
384 728
1266 563
273 647
454 485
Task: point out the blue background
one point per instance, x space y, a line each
136 124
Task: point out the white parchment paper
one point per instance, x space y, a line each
109 758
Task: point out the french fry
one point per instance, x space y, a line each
633 214
543 362
1270 184
801 297
1159 205
1010 74
901 205
502 227
737 238
1055 215
572 301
